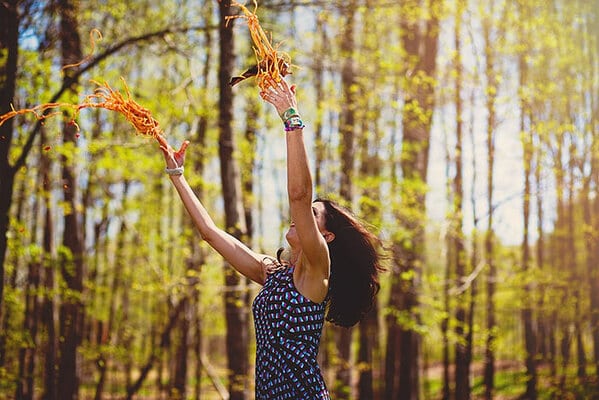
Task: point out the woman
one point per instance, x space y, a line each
331 267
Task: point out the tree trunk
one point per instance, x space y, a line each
577 278
27 353
448 277
198 257
235 308
18 260
462 375
106 336
322 47
403 353
540 261
368 329
9 47
342 387
370 166
71 309
319 148
592 211
48 307
492 89
527 314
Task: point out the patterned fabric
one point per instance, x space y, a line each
288 329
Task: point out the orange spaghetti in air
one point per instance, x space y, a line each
103 97
270 63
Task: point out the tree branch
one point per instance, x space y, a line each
69 81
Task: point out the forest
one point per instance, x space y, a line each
465 133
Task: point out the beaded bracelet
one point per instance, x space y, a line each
291 112
294 123
174 171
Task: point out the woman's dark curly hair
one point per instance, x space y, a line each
355 266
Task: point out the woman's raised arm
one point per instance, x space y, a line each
242 258
299 183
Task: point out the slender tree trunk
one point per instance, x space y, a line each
197 260
540 261
577 277
369 146
593 258
403 347
527 314
462 376
198 257
9 47
591 214
179 386
106 335
18 260
475 262
321 49
492 88
370 166
71 309
27 353
558 253
235 308
48 307
342 387
448 278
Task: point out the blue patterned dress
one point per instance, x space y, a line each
288 329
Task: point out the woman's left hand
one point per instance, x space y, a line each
281 95
174 159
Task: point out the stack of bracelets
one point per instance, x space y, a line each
292 120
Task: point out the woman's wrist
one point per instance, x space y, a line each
174 171
294 123
291 119
288 113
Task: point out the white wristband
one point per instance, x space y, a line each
174 171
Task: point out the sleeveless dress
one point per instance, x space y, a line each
288 328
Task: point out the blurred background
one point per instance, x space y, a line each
465 133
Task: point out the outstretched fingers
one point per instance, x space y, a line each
173 158
180 154
279 94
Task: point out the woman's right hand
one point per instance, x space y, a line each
280 94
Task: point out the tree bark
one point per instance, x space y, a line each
369 139
528 150
319 147
462 375
71 309
403 353
591 206
347 118
27 353
48 302
235 307
489 240
9 45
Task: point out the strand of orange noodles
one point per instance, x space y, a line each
268 60
91 52
103 97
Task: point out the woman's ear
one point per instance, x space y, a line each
328 236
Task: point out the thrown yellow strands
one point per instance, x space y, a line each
103 97
269 62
